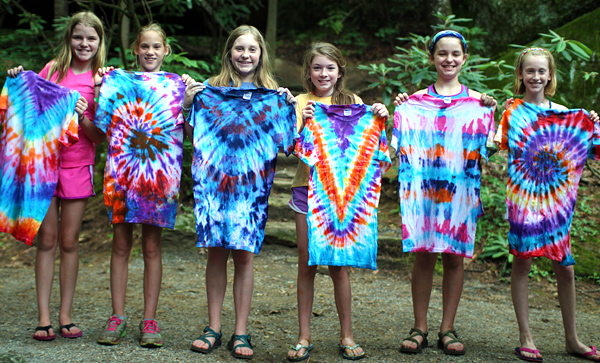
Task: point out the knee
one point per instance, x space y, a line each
69 246
152 252
338 273
121 249
452 263
47 242
243 258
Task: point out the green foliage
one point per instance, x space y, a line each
410 69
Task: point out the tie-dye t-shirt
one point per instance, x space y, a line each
140 112
36 117
440 145
547 150
346 146
237 133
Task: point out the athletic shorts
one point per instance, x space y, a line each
75 183
299 201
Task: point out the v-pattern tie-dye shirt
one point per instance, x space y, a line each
36 117
547 150
237 133
346 146
440 146
140 112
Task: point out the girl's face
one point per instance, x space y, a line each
151 51
535 73
84 43
448 57
324 74
245 55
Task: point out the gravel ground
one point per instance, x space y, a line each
381 308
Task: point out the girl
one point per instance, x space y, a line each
323 78
536 81
220 223
144 126
448 52
81 51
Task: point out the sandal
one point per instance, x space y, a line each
414 332
307 349
47 330
351 356
452 334
69 335
208 333
245 339
587 355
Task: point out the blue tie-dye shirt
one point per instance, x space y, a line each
237 133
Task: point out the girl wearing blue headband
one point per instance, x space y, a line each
448 52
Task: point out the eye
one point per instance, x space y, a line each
331 69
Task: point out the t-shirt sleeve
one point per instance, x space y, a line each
305 147
286 123
490 147
69 133
396 132
502 134
382 154
104 110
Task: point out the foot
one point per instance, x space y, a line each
151 336
241 347
114 330
300 350
585 352
208 341
44 333
70 331
415 342
351 350
529 354
450 343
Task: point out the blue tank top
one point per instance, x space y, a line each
464 92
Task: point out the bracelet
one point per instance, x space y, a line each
186 109
96 99
98 85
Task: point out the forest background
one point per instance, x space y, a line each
385 44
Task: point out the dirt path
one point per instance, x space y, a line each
381 305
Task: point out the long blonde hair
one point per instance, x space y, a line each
340 95
64 53
229 76
550 88
154 27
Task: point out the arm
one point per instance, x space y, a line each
91 131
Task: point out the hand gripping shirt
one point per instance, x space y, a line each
547 150
237 133
140 112
36 117
440 144
346 147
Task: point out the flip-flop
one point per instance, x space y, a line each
69 335
587 355
414 332
518 352
351 356
47 330
307 349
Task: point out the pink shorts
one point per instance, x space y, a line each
299 201
75 183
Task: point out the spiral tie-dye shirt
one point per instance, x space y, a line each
346 148
36 117
237 134
547 150
440 146
141 114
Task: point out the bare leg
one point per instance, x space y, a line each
451 290
343 303
243 286
70 224
565 279
151 247
422 282
119 261
216 285
44 264
520 298
305 289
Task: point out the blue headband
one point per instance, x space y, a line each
446 33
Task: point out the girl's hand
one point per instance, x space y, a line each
380 110
290 96
13 72
488 101
508 103
192 87
80 106
594 117
187 79
401 98
100 73
308 111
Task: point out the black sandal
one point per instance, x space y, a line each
414 332
208 333
454 339
245 339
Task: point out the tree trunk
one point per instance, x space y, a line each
61 8
272 29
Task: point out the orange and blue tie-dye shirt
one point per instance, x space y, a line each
36 117
141 114
440 144
346 148
237 133
547 150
